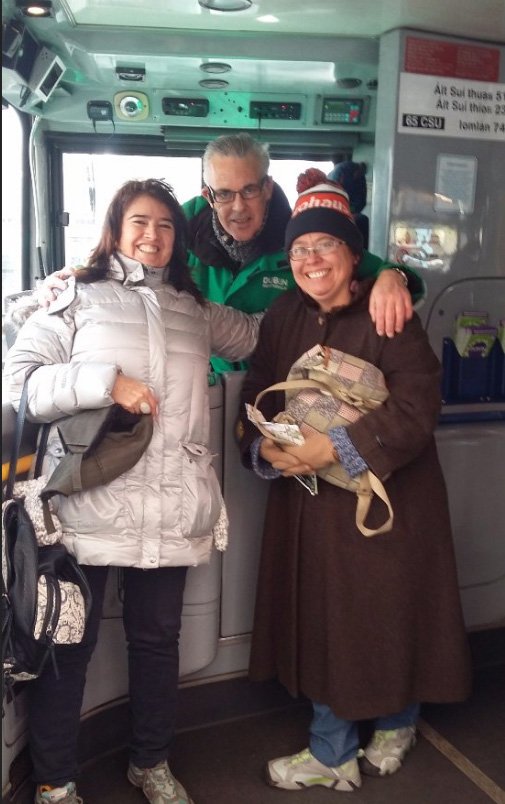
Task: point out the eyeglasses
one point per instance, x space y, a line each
246 193
322 248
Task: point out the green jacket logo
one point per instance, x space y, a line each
277 282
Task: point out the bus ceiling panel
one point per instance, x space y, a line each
483 19
216 44
178 73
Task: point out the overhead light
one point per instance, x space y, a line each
226 5
214 83
215 67
37 8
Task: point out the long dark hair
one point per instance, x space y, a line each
179 274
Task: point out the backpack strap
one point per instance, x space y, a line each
16 442
15 449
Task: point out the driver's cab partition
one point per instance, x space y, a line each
245 496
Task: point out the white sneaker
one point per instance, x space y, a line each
386 750
158 784
57 795
304 770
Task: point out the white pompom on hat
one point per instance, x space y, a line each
322 206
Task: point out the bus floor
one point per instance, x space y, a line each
228 730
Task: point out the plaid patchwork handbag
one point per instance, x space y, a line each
326 388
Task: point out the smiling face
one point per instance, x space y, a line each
325 277
241 218
147 232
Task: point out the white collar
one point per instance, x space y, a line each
130 271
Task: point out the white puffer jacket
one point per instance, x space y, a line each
162 511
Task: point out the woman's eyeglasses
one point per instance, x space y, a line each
246 193
322 248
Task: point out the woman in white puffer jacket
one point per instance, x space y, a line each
132 329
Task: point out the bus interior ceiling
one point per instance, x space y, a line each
179 67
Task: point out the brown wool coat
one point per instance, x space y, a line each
364 625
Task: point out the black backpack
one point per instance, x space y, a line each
36 584
43 587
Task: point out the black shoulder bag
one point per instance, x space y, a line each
46 597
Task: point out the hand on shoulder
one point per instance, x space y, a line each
390 302
52 286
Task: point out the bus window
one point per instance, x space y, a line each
286 171
11 202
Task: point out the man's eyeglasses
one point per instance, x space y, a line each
322 248
248 192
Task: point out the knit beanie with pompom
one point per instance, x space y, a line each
322 206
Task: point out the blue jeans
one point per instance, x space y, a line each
334 740
152 620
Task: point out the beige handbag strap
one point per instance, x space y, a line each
368 485
282 386
289 385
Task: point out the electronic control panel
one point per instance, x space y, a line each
343 111
274 110
186 107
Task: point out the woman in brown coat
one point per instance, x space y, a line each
366 628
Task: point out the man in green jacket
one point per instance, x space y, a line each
236 240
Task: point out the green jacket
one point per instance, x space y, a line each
254 286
